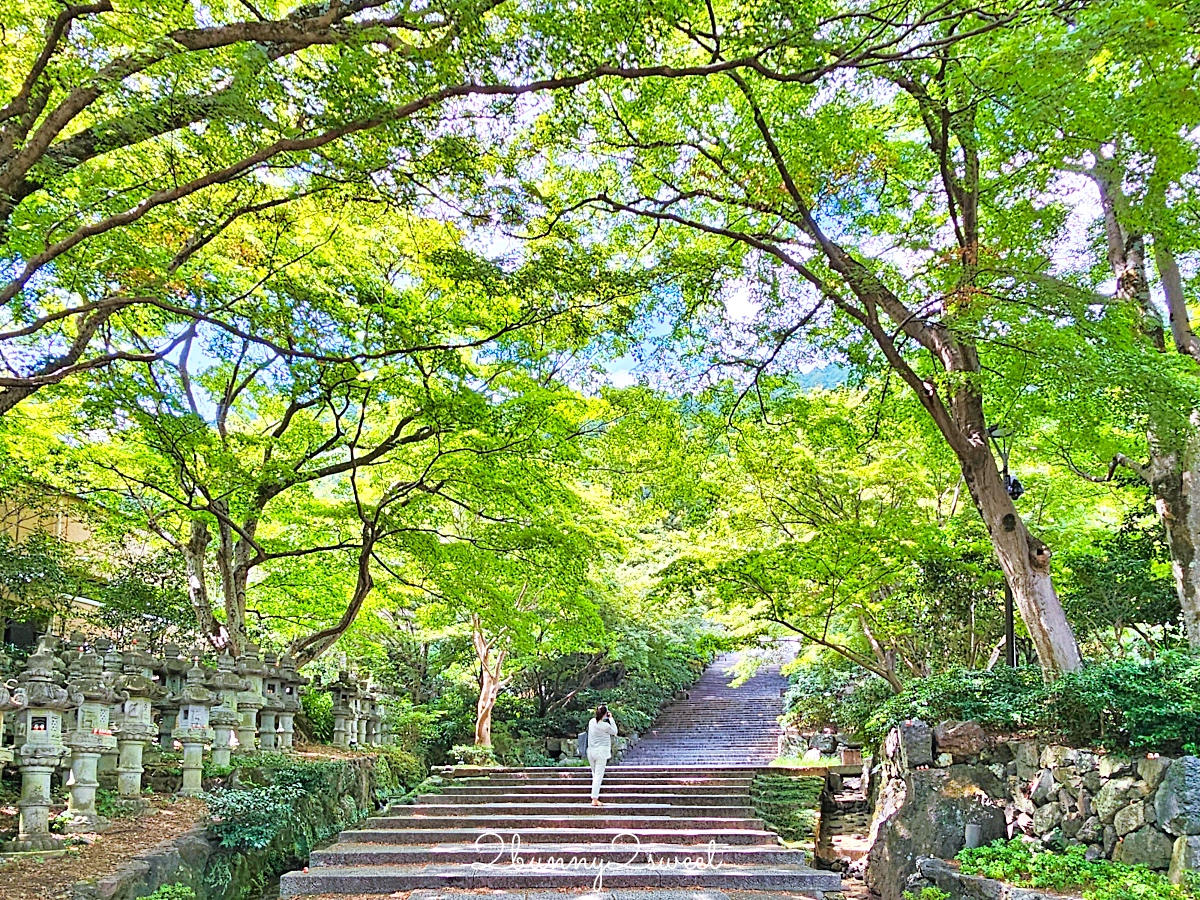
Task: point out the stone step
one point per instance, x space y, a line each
614 775
605 819
390 879
525 789
610 808
618 797
540 835
623 849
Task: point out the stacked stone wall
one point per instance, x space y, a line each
1131 809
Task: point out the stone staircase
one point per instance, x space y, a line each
845 824
534 829
717 724
677 814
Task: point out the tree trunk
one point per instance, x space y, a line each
490 668
194 555
1026 563
1173 473
1174 478
489 690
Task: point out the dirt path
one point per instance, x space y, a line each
38 878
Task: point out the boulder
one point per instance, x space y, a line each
812 754
1092 781
1043 788
1131 818
1055 756
1108 840
1071 825
1145 847
926 814
1177 803
1026 755
1111 766
961 739
1152 770
1085 761
1090 831
1112 797
1046 818
1067 777
916 744
1185 857
826 743
944 761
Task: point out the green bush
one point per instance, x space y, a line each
318 714
1027 865
470 755
397 771
251 818
1120 704
173 892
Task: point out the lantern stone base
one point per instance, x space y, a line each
48 853
87 823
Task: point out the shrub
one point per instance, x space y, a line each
173 892
1027 865
318 714
1120 704
251 818
397 771
470 755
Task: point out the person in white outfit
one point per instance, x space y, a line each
601 730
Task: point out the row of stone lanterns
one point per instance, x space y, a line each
96 706
358 713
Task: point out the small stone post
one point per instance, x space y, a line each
40 750
88 740
194 701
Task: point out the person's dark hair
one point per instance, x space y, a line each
601 712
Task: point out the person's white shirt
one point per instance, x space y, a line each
600 735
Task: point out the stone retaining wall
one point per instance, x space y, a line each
932 782
197 860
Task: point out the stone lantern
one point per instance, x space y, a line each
174 677
194 701
40 749
345 710
89 739
251 700
114 665
292 682
272 703
136 729
224 718
374 719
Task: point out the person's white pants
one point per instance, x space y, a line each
597 761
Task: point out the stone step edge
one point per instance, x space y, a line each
740 836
